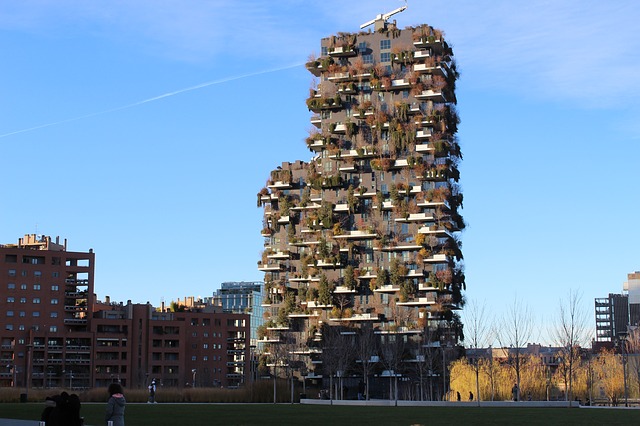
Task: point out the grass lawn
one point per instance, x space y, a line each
309 415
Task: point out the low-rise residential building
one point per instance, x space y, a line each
56 333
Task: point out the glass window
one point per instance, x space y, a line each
54 315
11 286
53 329
22 314
367 59
10 299
385 57
54 288
23 286
9 327
323 51
36 313
12 272
385 44
362 46
36 286
36 300
23 300
37 273
9 313
54 301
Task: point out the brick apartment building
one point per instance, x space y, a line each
55 333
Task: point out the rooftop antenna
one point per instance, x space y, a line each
383 17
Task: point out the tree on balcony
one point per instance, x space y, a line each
349 279
325 291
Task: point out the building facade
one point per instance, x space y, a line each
612 318
632 288
47 293
365 235
56 334
617 314
243 297
202 347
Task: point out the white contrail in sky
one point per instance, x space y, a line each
155 98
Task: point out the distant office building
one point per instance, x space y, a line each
612 317
54 333
616 313
242 297
632 287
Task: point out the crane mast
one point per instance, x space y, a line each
381 19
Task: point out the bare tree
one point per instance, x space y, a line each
477 332
569 333
514 332
338 352
427 358
366 354
632 349
393 349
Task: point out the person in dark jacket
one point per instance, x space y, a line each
62 410
115 405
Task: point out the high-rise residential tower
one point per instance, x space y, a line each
364 236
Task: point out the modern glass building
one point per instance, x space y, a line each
243 297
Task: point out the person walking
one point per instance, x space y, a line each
514 391
115 405
152 392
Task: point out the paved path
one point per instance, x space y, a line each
13 422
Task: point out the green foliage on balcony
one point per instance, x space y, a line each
324 182
325 290
317 104
349 279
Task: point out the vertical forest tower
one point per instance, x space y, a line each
364 236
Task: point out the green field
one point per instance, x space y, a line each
308 415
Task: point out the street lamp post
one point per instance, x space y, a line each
193 381
70 373
624 371
443 345
50 370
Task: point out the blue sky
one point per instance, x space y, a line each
164 190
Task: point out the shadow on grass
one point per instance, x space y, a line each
287 414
